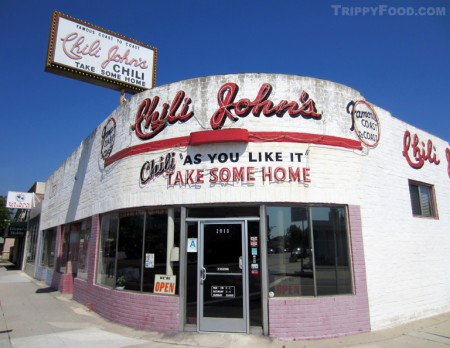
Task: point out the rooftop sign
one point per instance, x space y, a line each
89 53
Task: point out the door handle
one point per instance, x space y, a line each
240 262
202 275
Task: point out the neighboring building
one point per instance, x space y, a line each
34 216
20 245
252 203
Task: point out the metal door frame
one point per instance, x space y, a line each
223 324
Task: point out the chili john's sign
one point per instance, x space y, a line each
152 118
219 120
419 152
89 53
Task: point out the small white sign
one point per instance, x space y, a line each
19 200
192 245
149 260
165 284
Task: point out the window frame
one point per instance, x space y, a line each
432 200
47 258
83 249
106 275
32 239
314 251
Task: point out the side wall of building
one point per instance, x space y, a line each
406 255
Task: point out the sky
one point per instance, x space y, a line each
398 62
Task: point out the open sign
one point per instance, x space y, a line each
164 284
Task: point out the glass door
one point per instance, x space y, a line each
223 289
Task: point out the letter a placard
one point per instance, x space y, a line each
192 245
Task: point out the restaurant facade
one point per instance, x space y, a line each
257 203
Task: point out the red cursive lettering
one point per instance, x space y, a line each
78 50
261 104
114 56
147 116
420 152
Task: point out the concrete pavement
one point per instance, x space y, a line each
34 315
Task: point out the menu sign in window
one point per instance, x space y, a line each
223 291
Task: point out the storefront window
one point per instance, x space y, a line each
155 248
332 267
308 251
129 251
48 247
64 256
83 259
70 248
141 250
107 250
32 240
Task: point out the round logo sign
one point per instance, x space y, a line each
108 138
366 123
20 197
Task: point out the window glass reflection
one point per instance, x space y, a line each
133 244
298 267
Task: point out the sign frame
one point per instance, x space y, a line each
93 49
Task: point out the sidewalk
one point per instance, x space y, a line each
33 316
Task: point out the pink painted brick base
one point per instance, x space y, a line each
138 310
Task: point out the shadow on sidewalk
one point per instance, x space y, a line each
12 268
45 290
9 266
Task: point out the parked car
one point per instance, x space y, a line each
296 254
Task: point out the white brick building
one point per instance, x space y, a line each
282 204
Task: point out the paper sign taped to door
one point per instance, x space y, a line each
164 284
